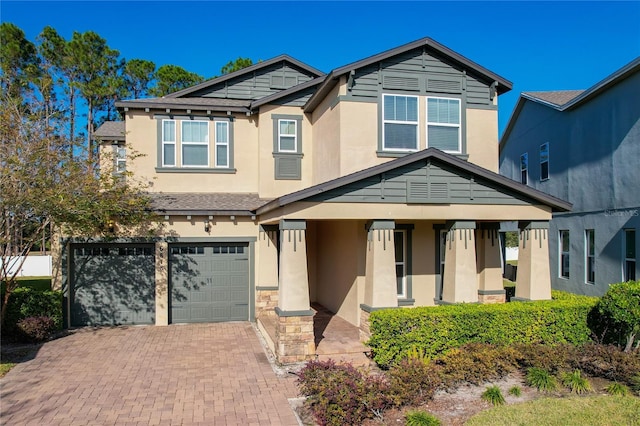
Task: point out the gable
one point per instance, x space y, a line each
424 182
257 84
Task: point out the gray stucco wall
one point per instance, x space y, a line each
594 163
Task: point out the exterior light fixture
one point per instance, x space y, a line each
207 226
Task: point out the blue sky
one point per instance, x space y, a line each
536 45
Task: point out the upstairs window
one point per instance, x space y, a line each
564 254
222 144
400 123
120 159
443 124
287 136
629 255
195 143
168 143
524 168
544 161
590 256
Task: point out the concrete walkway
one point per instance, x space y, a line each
208 374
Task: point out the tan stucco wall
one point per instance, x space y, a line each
326 137
354 211
423 263
269 187
482 138
340 271
142 134
359 136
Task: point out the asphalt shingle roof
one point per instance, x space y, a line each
556 97
110 130
206 203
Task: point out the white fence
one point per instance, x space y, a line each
33 266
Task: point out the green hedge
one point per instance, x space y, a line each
27 302
435 329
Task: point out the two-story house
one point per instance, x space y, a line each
584 146
374 186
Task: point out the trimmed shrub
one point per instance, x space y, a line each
617 315
607 361
551 358
475 363
26 302
436 329
36 329
412 382
341 394
421 418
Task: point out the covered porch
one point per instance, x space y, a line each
417 231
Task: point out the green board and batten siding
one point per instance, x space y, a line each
256 85
418 72
422 183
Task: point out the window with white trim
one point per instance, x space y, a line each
544 161
400 123
400 241
195 143
564 253
590 256
443 124
287 135
222 143
168 143
524 168
630 255
121 159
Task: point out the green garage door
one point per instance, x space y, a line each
209 282
112 284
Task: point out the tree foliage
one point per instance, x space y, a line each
138 75
620 311
171 78
18 59
43 187
236 65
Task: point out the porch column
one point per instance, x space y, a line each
162 283
267 286
533 281
294 329
490 287
380 289
460 271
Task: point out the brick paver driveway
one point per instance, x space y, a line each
210 374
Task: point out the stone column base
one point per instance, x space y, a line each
266 301
492 296
365 330
294 337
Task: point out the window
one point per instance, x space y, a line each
195 143
443 124
544 161
564 254
287 136
629 255
168 143
222 144
400 123
401 263
524 167
287 146
120 158
590 256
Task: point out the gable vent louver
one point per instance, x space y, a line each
400 83
444 86
438 191
417 192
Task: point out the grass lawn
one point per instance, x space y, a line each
37 283
589 410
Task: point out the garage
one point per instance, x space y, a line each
112 284
209 282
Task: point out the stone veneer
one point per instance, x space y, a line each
294 339
266 301
492 298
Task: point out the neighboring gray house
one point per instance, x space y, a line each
583 146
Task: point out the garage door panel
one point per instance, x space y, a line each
112 284
222 274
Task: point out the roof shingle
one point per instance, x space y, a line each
110 131
206 203
556 97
